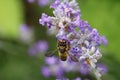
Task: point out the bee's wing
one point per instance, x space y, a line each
73 58
51 53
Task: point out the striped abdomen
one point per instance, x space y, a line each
63 56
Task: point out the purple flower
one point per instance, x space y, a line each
41 46
26 33
83 26
53 69
95 37
84 69
59 72
83 40
102 68
46 72
38 47
78 78
66 16
32 51
24 28
75 51
63 78
45 20
43 2
51 60
104 40
68 65
31 1
55 4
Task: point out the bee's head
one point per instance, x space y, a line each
62 42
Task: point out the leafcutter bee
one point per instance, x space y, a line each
63 47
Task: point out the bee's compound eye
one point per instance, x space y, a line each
64 44
60 44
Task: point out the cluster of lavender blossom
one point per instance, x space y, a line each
55 67
84 40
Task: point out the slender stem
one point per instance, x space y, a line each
94 70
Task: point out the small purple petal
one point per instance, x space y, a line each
45 20
78 78
43 2
46 72
75 51
104 40
32 51
84 69
102 68
24 28
31 1
93 33
26 33
42 46
63 78
51 60
84 25
55 4
59 72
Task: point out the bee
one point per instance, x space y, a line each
63 46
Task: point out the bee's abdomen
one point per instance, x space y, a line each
63 57
62 51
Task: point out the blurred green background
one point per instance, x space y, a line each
17 64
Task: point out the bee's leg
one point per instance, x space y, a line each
68 47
